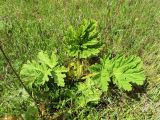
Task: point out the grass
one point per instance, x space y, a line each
126 26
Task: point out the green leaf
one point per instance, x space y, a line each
37 72
89 52
59 75
83 42
127 71
88 93
124 71
34 73
103 74
44 58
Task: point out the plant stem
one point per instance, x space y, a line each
79 71
19 79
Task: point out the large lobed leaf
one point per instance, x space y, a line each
88 93
122 70
83 42
34 73
45 59
102 74
59 75
127 71
37 72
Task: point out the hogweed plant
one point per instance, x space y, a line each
79 83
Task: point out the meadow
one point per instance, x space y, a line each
127 27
